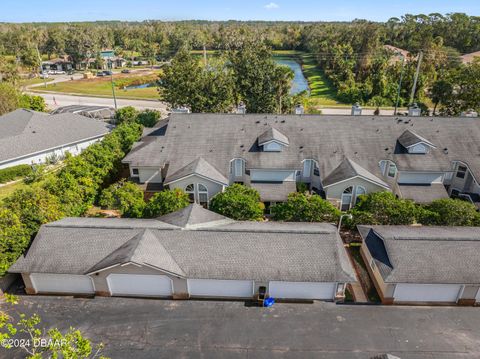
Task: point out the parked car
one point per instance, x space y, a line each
126 71
44 75
107 73
100 73
60 72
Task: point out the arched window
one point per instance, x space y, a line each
237 167
359 190
347 198
190 190
203 195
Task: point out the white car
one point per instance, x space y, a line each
60 72
44 75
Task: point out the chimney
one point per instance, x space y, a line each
469 113
241 109
414 110
181 109
356 110
299 109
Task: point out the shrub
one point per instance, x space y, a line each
165 202
14 239
450 212
238 202
125 196
32 102
126 114
15 172
301 207
148 118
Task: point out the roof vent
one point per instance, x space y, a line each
241 109
414 110
445 150
299 110
356 110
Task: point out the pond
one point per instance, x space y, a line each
142 86
299 82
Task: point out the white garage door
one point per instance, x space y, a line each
140 285
62 283
426 292
220 288
302 290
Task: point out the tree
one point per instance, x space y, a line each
384 208
126 114
125 196
301 207
148 118
32 102
238 202
450 212
34 206
14 239
165 202
9 98
440 93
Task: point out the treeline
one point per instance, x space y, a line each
69 192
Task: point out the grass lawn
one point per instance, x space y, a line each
35 80
101 87
10 188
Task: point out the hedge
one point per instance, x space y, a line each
15 172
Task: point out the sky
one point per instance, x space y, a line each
287 10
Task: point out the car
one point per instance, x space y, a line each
100 73
126 71
70 72
60 72
44 75
107 73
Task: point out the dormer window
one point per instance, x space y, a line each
392 170
272 140
237 167
415 143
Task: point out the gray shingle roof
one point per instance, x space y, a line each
348 169
423 193
272 134
24 132
235 250
199 167
219 138
274 192
413 254
409 138
193 215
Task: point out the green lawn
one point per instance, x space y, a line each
35 80
100 87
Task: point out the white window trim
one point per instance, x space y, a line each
199 192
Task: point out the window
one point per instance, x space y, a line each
237 167
316 170
347 198
359 190
392 170
307 168
272 147
461 171
202 195
190 190
135 171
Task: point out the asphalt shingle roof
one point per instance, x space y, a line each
349 169
193 215
24 132
366 140
200 167
415 254
409 138
423 193
272 134
217 250
274 192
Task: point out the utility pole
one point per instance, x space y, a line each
113 84
399 86
205 55
412 96
41 67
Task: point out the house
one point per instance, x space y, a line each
191 253
468 58
98 112
111 60
29 137
58 64
423 265
338 157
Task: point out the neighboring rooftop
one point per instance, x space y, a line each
98 112
416 254
25 132
218 249
348 169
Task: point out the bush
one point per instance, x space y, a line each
148 118
126 114
14 239
15 172
238 202
32 102
127 197
165 202
450 212
301 207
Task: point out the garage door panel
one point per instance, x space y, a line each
220 288
62 283
302 290
426 292
139 285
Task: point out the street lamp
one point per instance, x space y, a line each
113 85
348 215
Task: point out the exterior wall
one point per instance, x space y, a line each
73 148
213 188
335 191
148 174
460 183
272 175
385 291
405 177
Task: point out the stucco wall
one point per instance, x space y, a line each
335 191
148 174
213 188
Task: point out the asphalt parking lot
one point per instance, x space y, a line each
144 328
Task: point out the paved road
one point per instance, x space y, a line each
142 328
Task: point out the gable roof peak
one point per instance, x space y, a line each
409 138
349 169
193 215
198 166
272 134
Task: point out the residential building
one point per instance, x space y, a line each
29 137
423 265
338 157
63 63
191 253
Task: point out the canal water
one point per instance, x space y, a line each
299 82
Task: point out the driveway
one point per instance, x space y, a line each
143 328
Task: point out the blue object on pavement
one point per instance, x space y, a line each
268 302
